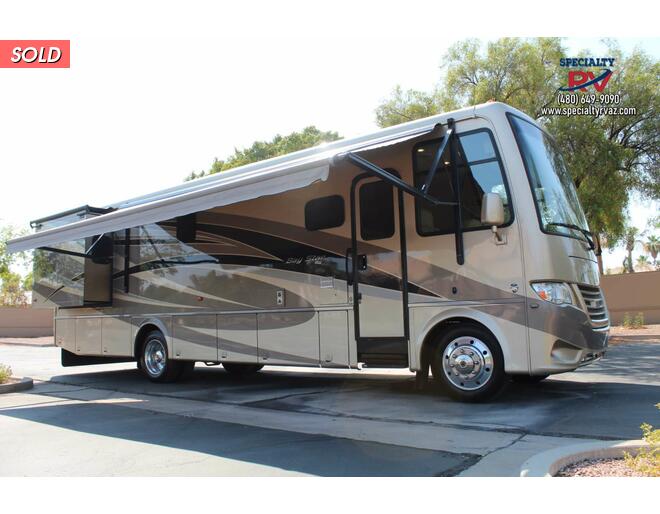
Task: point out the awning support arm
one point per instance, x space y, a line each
390 178
438 156
458 212
65 252
89 250
86 255
422 193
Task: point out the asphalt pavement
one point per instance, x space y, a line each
108 420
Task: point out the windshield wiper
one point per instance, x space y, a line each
587 235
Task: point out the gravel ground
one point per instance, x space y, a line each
28 341
599 468
622 335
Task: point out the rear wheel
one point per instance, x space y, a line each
154 361
241 370
468 362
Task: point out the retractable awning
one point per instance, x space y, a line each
225 192
268 177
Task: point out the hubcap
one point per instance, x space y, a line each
155 357
467 363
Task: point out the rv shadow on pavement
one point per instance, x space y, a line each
217 448
601 401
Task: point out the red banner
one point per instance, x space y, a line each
35 53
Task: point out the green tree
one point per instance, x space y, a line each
406 106
643 263
652 246
13 287
260 150
609 156
630 240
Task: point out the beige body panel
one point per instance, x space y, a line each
333 339
237 338
288 338
116 336
65 333
88 336
195 337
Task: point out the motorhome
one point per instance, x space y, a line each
453 244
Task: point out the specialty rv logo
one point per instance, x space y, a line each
579 79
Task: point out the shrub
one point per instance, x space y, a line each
647 461
635 322
5 373
627 320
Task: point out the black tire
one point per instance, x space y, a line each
241 370
170 370
528 379
489 379
187 370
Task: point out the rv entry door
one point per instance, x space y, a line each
377 281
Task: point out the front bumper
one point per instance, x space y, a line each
563 338
551 355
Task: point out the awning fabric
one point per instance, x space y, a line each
224 193
268 177
390 142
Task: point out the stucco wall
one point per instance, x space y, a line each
633 293
25 322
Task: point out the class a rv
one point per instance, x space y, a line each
454 244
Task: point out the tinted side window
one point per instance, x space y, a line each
479 172
376 211
186 228
326 212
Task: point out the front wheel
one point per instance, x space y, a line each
468 362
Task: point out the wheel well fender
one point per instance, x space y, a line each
146 326
451 317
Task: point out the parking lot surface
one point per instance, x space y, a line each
306 421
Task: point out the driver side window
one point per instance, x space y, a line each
479 171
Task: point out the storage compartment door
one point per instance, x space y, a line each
116 333
237 338
65 334
333 328
288 338
195 337
88 336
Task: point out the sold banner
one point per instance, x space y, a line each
35 53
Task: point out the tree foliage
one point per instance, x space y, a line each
260 150
652 247
610 157
13 287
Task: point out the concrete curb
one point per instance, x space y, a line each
13 387
548 463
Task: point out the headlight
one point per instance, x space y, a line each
554 292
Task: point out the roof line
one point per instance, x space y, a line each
291 158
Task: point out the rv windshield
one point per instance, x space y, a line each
556 200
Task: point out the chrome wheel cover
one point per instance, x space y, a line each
467 363
155 357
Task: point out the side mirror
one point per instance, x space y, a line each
492 210
492 213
